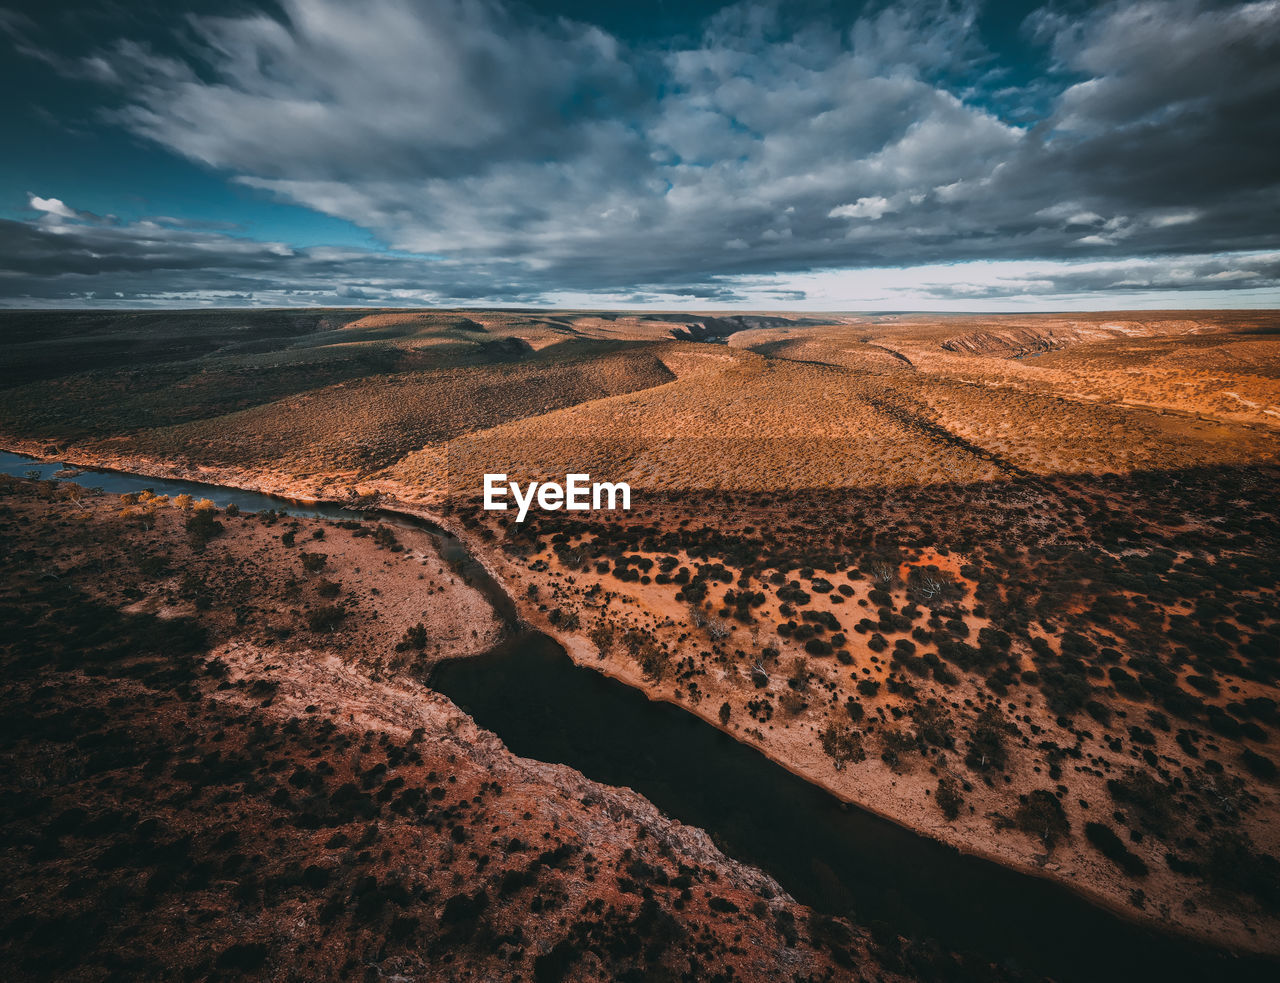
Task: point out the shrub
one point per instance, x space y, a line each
1260 765
1235 865
899 741
313 562
948 797
1152 798
986 742
843 745
1106 842
818 646
792 702
202 526
602 638
326 617
1040 813
932 586
644 649
413 638
933 724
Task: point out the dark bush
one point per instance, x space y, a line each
1106 842
986 742
948 797
1235 865
413 638
244 957
1258 764
326 617
313 562
1040 814
1152 798
818 646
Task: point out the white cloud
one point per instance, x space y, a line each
51 206
869 208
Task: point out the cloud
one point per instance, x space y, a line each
51 207
1175 218
871 207
95 262
1189 281
484 132
80 259
545 157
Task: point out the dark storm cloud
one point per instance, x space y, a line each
67 259
530 155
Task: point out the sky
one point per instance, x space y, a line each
835 156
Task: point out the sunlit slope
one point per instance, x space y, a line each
745 420
835 345
749 422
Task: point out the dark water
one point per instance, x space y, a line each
836 858
120 482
